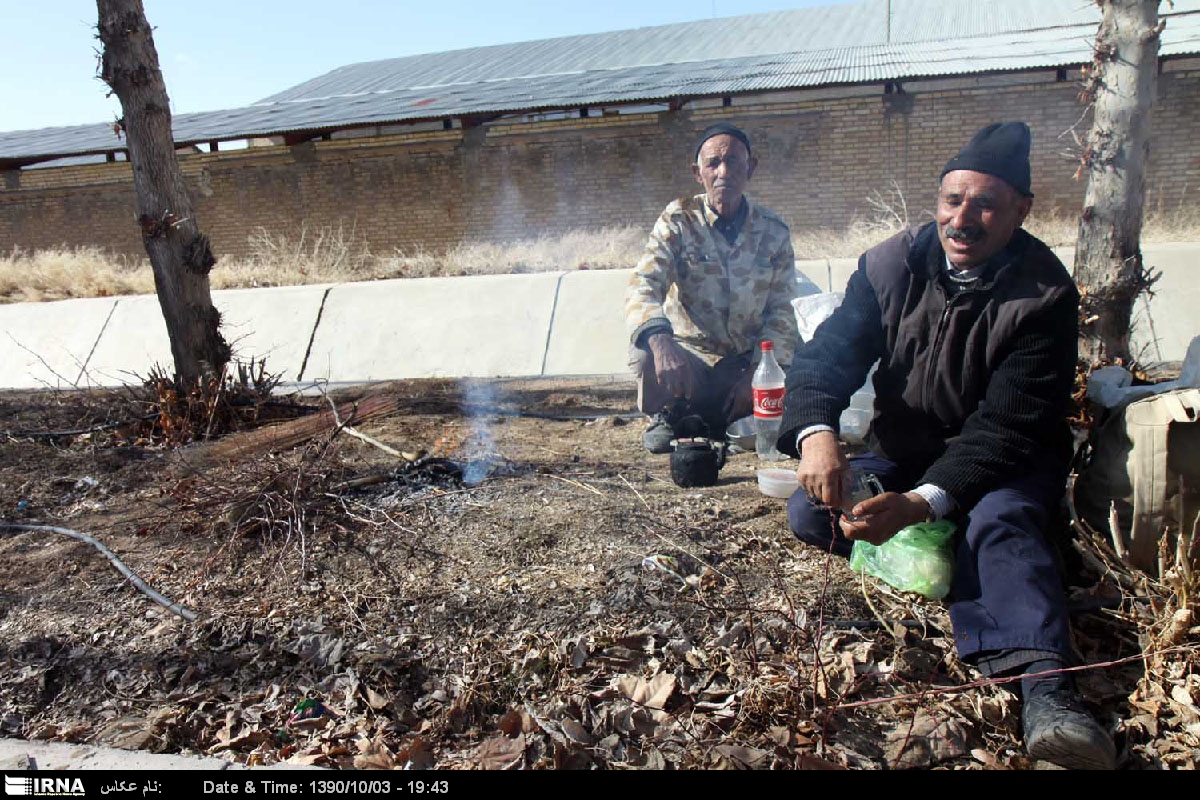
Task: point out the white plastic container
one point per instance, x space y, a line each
777 482
811 310
854 423
864 398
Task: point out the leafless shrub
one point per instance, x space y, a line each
888 215
310 255
277 503
239 399
1160 613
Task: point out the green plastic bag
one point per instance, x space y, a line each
917 559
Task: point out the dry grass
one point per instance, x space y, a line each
337 255
325 255
1056 227
59 274
607 248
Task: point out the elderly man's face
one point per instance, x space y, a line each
977 214
723 168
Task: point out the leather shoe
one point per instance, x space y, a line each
1059 729
657 437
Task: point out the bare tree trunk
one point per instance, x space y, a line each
179 254
1108 256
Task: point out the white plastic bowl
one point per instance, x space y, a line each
776 482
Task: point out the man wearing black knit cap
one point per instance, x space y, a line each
717 277
974 324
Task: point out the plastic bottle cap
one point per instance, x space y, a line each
767 344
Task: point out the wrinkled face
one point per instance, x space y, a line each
723 168
977 214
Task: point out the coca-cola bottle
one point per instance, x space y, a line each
768 403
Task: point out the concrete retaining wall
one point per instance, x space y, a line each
562 323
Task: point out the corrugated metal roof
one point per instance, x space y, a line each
587 70
827 27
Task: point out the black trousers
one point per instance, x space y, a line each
717 388
1007 592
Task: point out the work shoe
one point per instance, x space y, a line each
1059 729
657 437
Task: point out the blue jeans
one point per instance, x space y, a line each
1007 593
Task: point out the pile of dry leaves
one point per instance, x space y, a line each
511 584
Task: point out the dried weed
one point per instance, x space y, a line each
319 255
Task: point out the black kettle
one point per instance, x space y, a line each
696 462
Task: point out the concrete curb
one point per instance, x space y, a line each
22 754
480 326
557 323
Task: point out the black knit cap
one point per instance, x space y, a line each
1000 149
719 129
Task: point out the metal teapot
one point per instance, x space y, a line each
696 462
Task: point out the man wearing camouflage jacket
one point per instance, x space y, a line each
718 276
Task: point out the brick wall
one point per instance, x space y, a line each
822 153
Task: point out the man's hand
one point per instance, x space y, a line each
883 516
671 366
822 466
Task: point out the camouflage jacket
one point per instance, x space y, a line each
718 299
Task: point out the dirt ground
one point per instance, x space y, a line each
357 609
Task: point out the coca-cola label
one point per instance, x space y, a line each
768 402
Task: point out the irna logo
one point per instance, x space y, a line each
43 787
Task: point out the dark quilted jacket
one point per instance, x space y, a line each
972 388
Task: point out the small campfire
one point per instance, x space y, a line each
440 473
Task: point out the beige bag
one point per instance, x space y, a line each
1146 462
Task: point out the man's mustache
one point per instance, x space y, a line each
968 235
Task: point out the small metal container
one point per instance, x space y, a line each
741 434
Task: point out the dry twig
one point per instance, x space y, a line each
635 491
139 584
581 485
345 427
